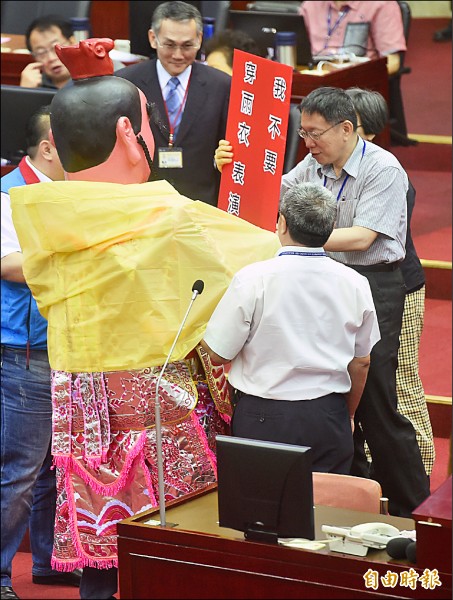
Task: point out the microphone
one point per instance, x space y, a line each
396 547
411 552
197 289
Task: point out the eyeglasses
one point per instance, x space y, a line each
44 52
185 48
313 135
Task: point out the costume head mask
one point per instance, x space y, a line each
84 115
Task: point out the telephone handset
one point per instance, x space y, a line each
358 539
374 529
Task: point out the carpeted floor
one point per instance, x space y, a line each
432 216
427 91
435 349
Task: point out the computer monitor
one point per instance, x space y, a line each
265 489
262 27
18 104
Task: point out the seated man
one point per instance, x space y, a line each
41 37
111 266
372 28
220 47
298 330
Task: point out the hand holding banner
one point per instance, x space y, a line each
256 128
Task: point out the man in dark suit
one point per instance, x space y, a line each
189 102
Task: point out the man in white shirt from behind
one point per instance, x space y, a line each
298 330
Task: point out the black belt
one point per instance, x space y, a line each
379 267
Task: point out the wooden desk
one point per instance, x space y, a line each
198 559
14 58
371 75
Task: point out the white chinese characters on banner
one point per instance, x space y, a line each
257 124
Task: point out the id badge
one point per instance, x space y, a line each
170 158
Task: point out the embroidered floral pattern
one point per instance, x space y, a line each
105 451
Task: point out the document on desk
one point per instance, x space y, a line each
302 543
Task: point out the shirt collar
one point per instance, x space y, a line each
351 5
299 249
36 171
164 76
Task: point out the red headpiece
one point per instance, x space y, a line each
89 58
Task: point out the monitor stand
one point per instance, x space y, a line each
257 533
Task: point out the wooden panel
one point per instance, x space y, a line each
370 75
110 19
12 65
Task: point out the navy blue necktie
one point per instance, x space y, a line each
173 103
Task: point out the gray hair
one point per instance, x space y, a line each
310 211
333 104
176 11
371 108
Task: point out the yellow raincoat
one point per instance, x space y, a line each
111 267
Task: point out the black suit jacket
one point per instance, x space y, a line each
203 124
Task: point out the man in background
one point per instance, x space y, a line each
41 37
219 49
28 490
371 28
372 117
189 100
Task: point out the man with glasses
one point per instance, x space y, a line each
189 99
370 188
41 37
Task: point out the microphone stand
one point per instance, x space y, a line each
160 459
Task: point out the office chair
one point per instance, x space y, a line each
292 139
397 121
17 17
347 491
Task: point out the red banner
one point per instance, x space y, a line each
256 128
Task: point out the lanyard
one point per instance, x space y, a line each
330 29
347 176
172 125
302 253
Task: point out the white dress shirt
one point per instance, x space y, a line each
10 243
292 325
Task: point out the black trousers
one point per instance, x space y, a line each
396 457
322 423
98 584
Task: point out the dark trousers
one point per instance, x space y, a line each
391 438
98 584
322 423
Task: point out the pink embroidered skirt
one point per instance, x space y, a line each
105 450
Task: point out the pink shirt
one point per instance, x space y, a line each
386 34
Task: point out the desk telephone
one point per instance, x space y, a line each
356 540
